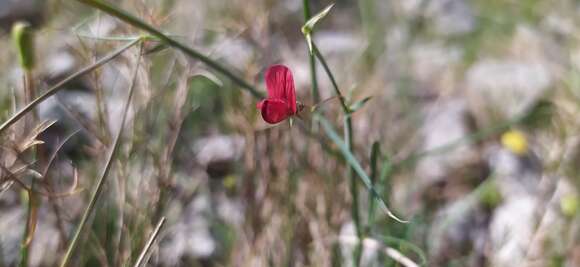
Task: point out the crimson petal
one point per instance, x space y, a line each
275 110
280 85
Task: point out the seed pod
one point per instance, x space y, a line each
24 42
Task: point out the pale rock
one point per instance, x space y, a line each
511 231
508 87
219 148
459 229
433 63
451 17
190 236
444 124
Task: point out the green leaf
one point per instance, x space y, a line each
309 25
375 152
353 162
359 104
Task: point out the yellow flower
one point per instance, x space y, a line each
515 141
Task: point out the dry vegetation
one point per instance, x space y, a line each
144 145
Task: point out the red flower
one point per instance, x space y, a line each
281 102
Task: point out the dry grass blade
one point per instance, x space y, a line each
142 257
55 153
101 181
30 140
57 87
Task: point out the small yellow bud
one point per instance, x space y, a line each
229 182
515 141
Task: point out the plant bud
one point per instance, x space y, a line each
24 43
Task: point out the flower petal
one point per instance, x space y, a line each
259 104
280 85
275 110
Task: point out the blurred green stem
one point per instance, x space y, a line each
348 139
311 58
341 99
138 23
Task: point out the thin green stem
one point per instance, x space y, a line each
311 58
101 181
348 139
33 199
353 190
353 162
138 23
343 105
57 87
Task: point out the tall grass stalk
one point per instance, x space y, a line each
103 177
23 37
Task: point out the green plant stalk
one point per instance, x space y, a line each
348 139
375 153
311 58
26 52
138 23
28 121
353 190
353 162
341 99
102 178
57 87
385 174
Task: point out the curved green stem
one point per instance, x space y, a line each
138 23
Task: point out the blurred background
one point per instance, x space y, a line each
473 108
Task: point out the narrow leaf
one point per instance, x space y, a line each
353 162
309 25
359 104
375 152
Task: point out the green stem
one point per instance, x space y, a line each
311 58
57 87
348 139
138 23
353 190
343 105
102 178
